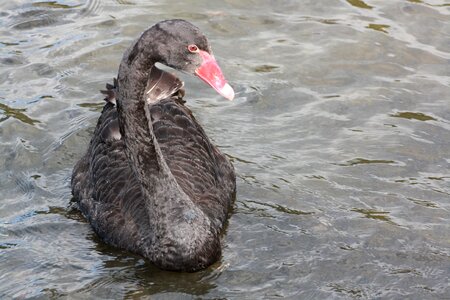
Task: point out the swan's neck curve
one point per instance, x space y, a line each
181 236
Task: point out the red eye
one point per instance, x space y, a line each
193 48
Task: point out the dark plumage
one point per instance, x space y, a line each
151 181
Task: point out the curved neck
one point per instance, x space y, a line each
174 218
134 125
136 71
134 117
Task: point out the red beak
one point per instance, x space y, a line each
210 73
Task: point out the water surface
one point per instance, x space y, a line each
340 136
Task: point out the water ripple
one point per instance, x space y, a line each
339 135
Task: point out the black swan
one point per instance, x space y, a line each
151 181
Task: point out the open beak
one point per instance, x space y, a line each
210 73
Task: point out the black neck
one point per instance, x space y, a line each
174 218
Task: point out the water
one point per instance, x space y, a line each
340 136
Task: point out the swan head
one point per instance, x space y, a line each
181 45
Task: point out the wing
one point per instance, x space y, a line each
201 170
106 190
103 183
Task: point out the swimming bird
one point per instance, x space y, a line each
151 181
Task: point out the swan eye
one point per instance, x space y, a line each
193 48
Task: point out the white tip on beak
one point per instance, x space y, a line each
227 91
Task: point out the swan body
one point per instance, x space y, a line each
151 181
